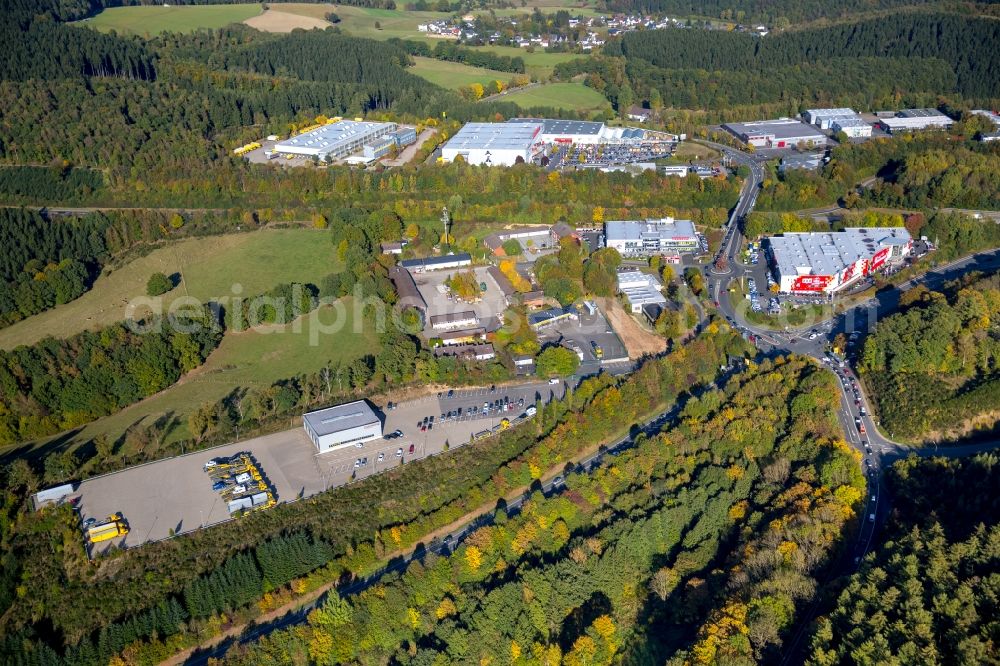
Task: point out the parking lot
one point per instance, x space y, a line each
586 335
440 301
624 153
175 496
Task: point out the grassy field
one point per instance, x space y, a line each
575 96
688 150
573 8
155 19
244 360
210 267
454 74
360 21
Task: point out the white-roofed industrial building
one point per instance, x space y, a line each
493 144
640 289
780 133
341 426
823 118
912 120
335 140
826 262
555 130
993 116
855 128
644 238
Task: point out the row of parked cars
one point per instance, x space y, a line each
754 296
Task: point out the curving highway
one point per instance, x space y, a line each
861 430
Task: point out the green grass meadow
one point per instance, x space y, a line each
210 268
152 19
454 75
575 96
245 360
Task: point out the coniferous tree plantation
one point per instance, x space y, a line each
901 59
929 593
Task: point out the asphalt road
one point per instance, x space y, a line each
861 431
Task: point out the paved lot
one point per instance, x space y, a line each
588 330
175 495
432 288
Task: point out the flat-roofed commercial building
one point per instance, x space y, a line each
453 320
444 262
341 426
644 238
840 120
335 140
823 118
855 128
555 130
915 120
640 289
827 262
493 144
780 133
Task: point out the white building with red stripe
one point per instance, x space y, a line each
828 262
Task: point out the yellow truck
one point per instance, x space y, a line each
115 527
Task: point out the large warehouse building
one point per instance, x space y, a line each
335 140
644 238
913 120
555 130
494 144
840 120
828 262
341 426
780 133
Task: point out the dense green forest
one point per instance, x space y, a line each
921 171
958 177
932 368
777 13
75 598
902 59
955 39
929 593
699 545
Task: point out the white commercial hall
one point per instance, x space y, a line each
342 426
826 262
493 144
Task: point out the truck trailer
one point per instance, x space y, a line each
115 527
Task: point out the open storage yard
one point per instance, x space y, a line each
592 337
173 496
489 307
